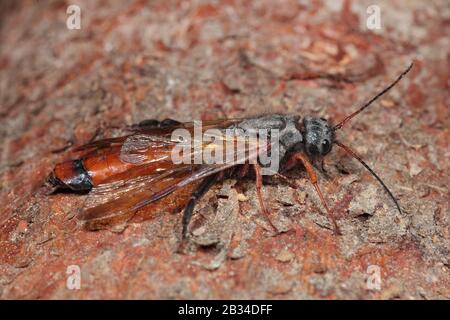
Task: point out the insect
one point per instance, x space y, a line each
136 170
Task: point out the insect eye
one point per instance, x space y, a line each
326 147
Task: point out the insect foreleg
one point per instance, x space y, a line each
322 166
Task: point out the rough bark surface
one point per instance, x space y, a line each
204 60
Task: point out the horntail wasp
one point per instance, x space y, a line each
133 171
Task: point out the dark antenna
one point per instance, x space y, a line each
354 155
341 124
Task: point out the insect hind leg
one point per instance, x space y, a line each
154 123
169 122
202 188
148 123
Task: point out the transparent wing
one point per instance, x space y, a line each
155 132
119 200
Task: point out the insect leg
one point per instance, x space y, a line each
202 188
154 123
260 194
243 171
149 123
314 180
322 166
293 185
169 122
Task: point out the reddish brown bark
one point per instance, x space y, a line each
129 62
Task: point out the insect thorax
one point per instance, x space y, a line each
287 126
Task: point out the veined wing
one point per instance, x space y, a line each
117 201
155 132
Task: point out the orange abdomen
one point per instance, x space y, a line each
100 167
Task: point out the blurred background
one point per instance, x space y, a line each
75 71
